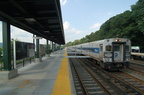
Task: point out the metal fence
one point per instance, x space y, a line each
19 63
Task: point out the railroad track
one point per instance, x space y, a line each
137 65
88 83
136 69
128 88
138 61
130 80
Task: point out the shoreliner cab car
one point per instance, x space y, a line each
113 53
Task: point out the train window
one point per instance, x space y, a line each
116 48
101 47
127 48
134 50
108 48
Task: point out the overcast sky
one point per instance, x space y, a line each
81 17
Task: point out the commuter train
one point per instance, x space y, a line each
111 54
136 53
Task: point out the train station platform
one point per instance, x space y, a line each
52 76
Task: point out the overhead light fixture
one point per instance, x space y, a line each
30 20
46 31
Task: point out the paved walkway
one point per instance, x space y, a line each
35 78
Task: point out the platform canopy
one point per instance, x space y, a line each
40 17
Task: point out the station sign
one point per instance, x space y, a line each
37 37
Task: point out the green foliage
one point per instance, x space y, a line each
129 24
138 14
0 52
68 44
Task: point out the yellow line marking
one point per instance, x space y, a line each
62 84
22 85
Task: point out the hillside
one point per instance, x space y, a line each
128 24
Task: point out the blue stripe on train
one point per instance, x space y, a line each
94 50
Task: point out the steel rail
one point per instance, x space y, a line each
82 85
116 80
96 80
128 83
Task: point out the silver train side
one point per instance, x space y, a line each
113 53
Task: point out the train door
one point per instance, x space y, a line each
101 51
118 52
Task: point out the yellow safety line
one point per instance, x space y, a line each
62 84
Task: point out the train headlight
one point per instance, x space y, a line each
118 40
108 54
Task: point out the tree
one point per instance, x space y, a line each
129 24
76 42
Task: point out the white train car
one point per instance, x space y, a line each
113 53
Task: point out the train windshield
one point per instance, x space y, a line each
108 48
117 48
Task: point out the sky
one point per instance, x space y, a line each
80 18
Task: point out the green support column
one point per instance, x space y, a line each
6 46
47 45
38 56
37 48
8 71
33 39
55 47
52 47
59 47
47 49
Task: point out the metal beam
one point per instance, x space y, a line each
6 46
23 10
18 6
60 17
17 23
45 12
47 47
37 48
34 0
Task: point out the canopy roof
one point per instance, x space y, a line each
40 17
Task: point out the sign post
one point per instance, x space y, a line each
14 53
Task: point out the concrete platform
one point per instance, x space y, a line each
36 78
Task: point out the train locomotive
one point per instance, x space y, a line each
111 54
